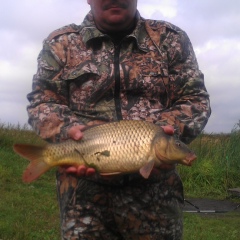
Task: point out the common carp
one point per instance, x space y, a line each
120 147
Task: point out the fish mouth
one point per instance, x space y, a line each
189 159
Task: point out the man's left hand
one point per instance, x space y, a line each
168 129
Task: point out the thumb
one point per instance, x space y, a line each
75 132
168 129
77 135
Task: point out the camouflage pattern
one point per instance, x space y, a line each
130 208
159 80
85 76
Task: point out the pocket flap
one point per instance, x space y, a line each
82 69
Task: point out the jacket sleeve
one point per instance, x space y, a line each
49 113
188 101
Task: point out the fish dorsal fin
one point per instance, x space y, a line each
37 166
147 169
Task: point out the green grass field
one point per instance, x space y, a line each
30 211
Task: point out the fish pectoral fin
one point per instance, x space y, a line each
147 169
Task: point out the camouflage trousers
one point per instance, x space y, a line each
130 207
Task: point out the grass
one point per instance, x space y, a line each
211 227
217 167
30 211
27 211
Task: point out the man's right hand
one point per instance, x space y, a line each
76 134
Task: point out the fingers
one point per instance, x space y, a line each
80 171
95 122
85 171
90 172
75 132
168 129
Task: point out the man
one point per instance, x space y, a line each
117 65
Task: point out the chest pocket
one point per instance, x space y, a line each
87 84
149 82
81 71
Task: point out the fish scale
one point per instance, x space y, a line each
123 142
125 146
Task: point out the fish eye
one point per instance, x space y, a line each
178 143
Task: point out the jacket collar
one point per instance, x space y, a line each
89 31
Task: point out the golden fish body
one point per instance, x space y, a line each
118 147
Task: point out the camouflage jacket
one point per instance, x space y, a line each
151 74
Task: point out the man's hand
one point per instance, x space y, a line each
81 170
168 129
76 134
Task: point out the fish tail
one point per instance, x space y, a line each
37 165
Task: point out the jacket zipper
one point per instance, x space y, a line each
117 82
